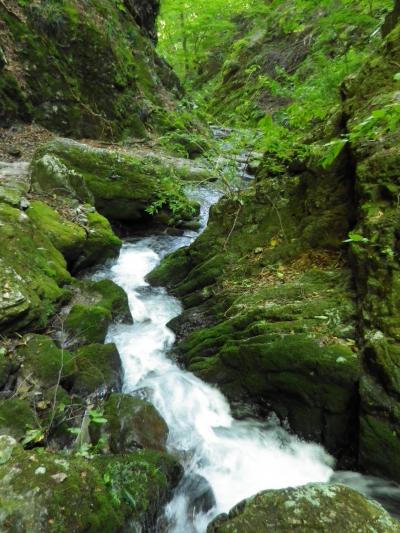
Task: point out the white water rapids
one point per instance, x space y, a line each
234 458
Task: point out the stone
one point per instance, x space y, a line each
313 507
131 424
98 370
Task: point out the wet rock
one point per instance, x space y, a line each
198 492
98 370
86 324
313 507
131 424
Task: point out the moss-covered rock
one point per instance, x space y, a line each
16 418
131 424
32 272
44 365
85 240
313 507
374 92
120 186
106 493
98 369
86 324
94 305
109 295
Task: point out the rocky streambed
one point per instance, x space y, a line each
225 460
154 447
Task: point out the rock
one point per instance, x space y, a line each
120 186
98 370
105 493
376 262
109 295
32 272
43 363
132 424
93 307
74 94
86 324
5 368
16 418
7 445
313 507
199 493
83 244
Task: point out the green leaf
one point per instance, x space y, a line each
356 237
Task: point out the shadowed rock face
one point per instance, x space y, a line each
84 69
145 13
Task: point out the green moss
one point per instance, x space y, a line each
98 368
86 324
313 507
66 236
173 268
16 417
131 423
32 272
140 482
83 244
121 186
44 362
71 94
33 488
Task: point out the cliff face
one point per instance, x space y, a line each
84 69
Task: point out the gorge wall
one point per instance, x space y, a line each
83 69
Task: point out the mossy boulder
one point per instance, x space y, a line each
313 507
109 295
32 274
84 239
131 424
86 324
98 369
94 306
16 418
43 363
120 186
106 493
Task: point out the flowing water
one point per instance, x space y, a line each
225 460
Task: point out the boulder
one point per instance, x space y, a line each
84 238
313 507
98 369
32 272
55 492
16 418
121 186
131 424
44 365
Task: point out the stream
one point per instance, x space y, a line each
225 460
